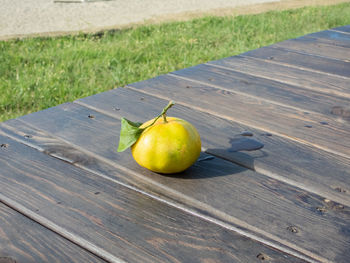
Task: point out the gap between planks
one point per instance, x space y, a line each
238 92
337 93
223 116
81 242
195 207
300 67
259 170
280 46
343 32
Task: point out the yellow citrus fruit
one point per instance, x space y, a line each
167 147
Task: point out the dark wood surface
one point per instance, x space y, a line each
281 74
306 62
317 47
237 184
62 177
273 117
267 89
24 240
345 29
323 175
331 37
121 222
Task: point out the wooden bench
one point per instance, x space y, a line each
68 196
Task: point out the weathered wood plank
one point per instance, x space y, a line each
305 127
118 220
302 61
331 37
268 89
315 47
328 84
216 187
303 166
23 240
345 29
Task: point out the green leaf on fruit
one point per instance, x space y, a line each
129 133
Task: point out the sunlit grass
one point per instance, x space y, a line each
38 73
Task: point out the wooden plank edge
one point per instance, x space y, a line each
81 242
343 32
329 42
262 171
239 92
208 151
223 116
336 29
337 93
280 45
299 67
183 203
38 242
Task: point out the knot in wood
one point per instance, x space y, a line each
263 256
293 229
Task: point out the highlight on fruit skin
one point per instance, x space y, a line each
167 147
163 144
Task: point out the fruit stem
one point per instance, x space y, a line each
170 104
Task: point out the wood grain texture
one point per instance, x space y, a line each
23 240
316 47
314 81
130 225
221 189
289 58
305 127
268 89
331 37
297 164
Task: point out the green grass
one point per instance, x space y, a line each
38 73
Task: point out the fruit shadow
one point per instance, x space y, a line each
215 162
